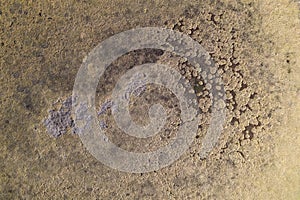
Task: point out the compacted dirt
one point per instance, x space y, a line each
255 45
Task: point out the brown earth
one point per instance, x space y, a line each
256 47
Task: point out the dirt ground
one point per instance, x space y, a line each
256 47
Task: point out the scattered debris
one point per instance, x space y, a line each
103 125
105 106
59 121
